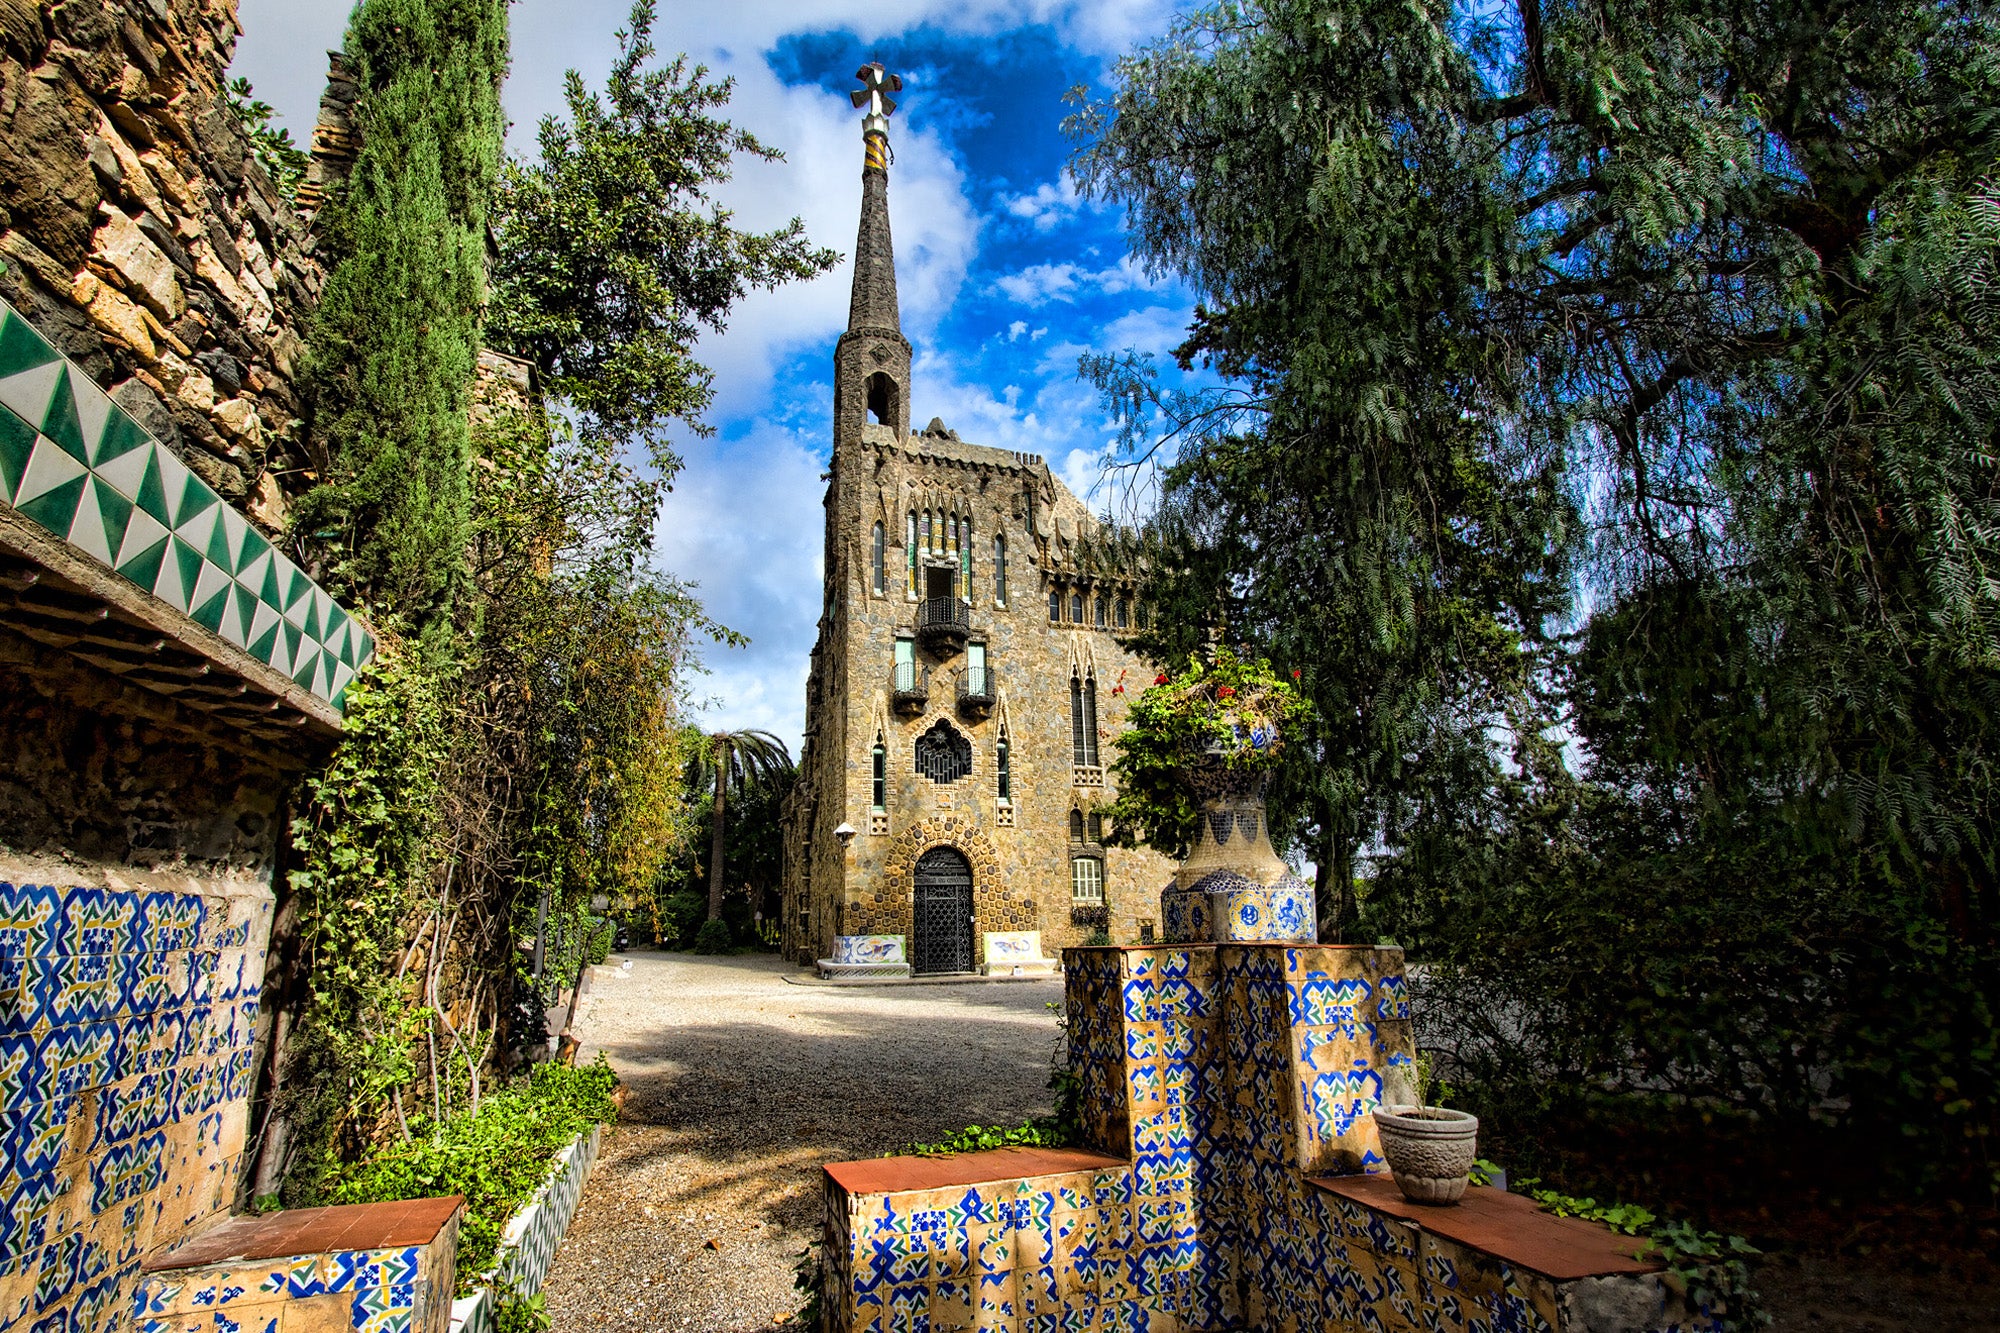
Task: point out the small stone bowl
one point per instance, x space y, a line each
1429 1149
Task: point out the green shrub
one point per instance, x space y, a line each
681 917
497 1155
598 947
714 937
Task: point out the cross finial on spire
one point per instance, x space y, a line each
876 85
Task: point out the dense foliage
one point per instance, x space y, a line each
1620 378
496 1154
396 335
613 258
521 747
738 763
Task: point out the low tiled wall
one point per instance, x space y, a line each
1235 1185
361 1268
127 1026
528 1245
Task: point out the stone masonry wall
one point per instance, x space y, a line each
140 235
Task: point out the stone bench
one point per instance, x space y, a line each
866 956
371 1266
1016 953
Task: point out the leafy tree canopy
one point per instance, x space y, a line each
613 259
1620 378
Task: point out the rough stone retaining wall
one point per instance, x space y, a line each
142 238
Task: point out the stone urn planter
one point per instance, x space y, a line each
1429 1149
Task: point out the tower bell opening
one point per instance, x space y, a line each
882 399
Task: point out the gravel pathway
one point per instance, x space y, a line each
741 1086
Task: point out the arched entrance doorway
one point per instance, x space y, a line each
944 912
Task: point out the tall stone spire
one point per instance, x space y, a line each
872 362
874 302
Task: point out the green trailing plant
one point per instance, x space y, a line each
496 1154
523 1314
396 334
283 161
363 849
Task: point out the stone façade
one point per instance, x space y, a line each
956 498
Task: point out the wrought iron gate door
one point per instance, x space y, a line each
944 912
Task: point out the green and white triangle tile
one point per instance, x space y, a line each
210 613
209 584
314 630
255 544
280 655
127 471
236 619
199 530
98 529
50 487
142 533
264 644
342 674
61 422
196 499
21 348
298 594
264 621
121 436
292 638
26 393
252 571
179 574
277 575
144 565
17 446
225 545
306 665
94 411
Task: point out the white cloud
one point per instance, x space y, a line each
1046 206
1039 284
1016 329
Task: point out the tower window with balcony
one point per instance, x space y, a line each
880 561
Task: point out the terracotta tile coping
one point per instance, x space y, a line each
357 1226
1507 1226
894 1175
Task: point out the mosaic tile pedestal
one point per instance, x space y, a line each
1234 1181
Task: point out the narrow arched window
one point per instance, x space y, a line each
1124 612
881 774
1143 617
1083 720
1102 613
965 557
1055 607
1096 827
930 532
1076 826
881 560
1076 608
999 570
1003 768
910 552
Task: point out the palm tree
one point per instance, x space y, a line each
737 761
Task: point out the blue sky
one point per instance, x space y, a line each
1006 276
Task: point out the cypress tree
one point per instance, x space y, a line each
396 337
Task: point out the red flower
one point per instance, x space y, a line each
1295 673
1160 679
1225 692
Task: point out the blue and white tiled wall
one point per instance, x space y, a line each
128 1013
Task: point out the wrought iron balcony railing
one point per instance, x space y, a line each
909 687
976 689
944 620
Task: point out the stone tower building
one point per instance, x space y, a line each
968 682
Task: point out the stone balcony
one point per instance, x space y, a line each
944 623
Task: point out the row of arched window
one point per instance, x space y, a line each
933 534
1100 611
